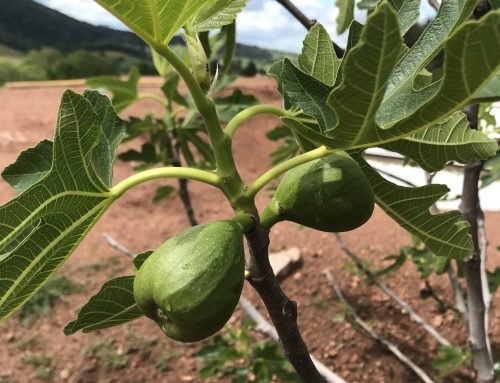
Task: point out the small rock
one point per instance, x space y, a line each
285 262
332 353
437 321
187 378
64 374
10 337
355 282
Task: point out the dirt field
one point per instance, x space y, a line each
136 352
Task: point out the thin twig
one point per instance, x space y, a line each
306 21
183 183
478 322
460 304
371 332
411 312
266 328
436 4
118 246
443 306
397 178
429 177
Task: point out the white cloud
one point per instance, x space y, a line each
85 10
267 24
264 23
264 20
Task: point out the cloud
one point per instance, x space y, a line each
85 10
264 23
267 24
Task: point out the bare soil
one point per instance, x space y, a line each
133 352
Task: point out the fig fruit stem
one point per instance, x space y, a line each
278 170
271 215
166 172
253 111
246 221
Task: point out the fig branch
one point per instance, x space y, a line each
231 183
477 290
282 310
226 167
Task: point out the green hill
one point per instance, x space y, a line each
26 25
37 43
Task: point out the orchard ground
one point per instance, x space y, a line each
138 352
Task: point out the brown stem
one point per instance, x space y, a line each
186 201
282 310
471 210
305 21
442 305
397 178
266 328
183 183
436 4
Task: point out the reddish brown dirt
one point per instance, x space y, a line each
29 115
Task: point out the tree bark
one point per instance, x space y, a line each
266 328
471 210
282 310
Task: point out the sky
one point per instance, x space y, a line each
263 23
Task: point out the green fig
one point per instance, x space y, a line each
329 194
191 284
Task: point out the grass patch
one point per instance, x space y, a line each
43 301
42 364
27 344
107 355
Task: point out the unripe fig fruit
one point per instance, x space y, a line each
329 194
192 283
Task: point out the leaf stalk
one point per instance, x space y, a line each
161 173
